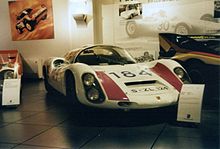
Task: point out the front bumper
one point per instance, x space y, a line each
140 102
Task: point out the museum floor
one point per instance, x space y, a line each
49 122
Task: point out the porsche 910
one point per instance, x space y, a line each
105 76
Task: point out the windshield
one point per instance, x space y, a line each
105 55
200 46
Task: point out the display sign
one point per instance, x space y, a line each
190 103
11 92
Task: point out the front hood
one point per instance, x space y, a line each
122 81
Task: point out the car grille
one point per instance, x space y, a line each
140 83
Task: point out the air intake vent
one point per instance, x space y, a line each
140 83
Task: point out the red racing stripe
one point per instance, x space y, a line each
167 75
112 90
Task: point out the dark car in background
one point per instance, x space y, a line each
201 58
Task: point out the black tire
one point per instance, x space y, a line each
131 29
195 69
182 29
47 86
71 89
30 25
44 17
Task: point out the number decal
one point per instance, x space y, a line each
163 26
130 74
124 73
114 74
144 73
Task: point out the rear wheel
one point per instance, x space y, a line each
131 29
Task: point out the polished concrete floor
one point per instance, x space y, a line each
44 121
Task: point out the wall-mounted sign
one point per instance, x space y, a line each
31 19
130 10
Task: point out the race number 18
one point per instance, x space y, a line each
130 74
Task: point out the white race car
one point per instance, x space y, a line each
105 76
161 22
129 14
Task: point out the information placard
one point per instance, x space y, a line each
190 103
11 92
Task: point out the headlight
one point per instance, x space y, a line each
182 75
179 72
88 79
93 94
9 75
93 90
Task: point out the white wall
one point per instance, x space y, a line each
80 34
67 35
5 36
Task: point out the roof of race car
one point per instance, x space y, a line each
72 53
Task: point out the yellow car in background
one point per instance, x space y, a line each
201 58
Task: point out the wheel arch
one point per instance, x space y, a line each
187 62
189 27
44 68
66 73
207 17
195 70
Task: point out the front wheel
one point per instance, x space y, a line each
196 72
30 25
71 89
131 29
